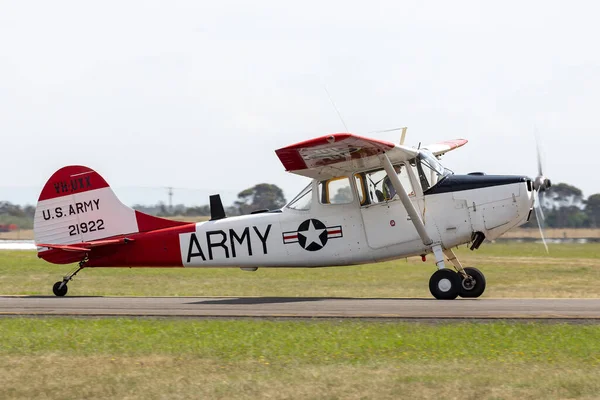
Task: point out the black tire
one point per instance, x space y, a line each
475 289
58 291
445 284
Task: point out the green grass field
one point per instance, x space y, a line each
64 358
511 269
153 359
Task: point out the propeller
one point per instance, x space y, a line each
540 185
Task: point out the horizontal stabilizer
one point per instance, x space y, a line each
65 247
86 246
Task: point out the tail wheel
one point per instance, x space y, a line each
60 290
445 284
474 285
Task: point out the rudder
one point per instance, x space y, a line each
77 205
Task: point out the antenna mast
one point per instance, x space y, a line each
336 109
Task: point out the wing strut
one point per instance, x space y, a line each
412 212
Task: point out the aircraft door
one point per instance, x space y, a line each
385 218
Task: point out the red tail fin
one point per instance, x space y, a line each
77 205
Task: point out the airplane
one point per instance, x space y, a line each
369 200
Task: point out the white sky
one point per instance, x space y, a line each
197 94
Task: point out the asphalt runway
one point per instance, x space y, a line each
306 307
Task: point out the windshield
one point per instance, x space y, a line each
303 200
431 171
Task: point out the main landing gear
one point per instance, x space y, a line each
60 288
446 284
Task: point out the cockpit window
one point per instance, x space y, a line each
303 200
336 191
380 187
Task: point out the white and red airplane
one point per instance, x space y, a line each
369 201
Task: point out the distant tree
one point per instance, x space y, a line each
563 206
232 211
14 214
29 211
343 195
197 211
14 210
178 209
592 210
163 210
261 196
563 195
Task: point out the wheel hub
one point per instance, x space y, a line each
468 283
444 285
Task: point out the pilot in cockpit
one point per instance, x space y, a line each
388 189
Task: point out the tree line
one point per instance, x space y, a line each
563 205
263 196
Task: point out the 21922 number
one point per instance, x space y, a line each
85 227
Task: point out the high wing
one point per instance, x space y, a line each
441 148
339 154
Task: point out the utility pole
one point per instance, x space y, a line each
170 199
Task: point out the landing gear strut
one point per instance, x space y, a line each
60 288
446 284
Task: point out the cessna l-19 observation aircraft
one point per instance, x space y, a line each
369 201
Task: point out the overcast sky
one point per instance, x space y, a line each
198 95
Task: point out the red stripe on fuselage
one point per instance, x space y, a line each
158 248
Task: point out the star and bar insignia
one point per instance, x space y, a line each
312 234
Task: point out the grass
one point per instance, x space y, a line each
56 358
511 269
152 358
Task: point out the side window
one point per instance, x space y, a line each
405 180
335 191
419 175
375 185
380 188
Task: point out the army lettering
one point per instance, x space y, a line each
72 209
219 243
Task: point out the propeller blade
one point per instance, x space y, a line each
539 156
539 159
539 218
537 204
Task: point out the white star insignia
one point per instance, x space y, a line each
312 235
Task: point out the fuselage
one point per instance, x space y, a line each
335 234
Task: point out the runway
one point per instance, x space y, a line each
306 307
